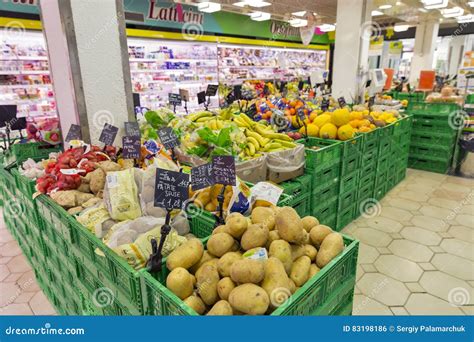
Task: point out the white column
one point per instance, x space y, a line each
89 63
457 48
351 51
423 52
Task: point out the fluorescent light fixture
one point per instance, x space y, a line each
435 4
240 4
452 12
401 27
257 3
298 22
209 7
376 13
299 14
465 18
471 3
327 28
383 7
260 16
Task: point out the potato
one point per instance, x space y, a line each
313 270
264 216
220 243
237 225
306 239
211 263
311 252
207 279
193 279
300 270
331 247
309 222
297 251
289 226
282 250
226 261
272 236
255 236
186 255
225 287
195 303
249 299
292 286
220 229
97 180
247 271
276 282
109 166
228 217
179 282
206 256
221 308
203 198
318 233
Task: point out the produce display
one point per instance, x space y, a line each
251 265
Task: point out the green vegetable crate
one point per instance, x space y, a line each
329 292
18 153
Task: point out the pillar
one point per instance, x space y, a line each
89 64
456 47
423 51
351 51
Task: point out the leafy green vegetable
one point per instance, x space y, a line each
198 150
154 119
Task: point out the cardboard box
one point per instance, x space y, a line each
285 165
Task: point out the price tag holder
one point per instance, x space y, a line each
266 91
301 114
167 137
132 129
74 133
201 177
325 104
282 86
174 99
300 85
342 102
238 92
211 90
184 93
171 189
108 134
252 111
131 147
371 101
201 96
223 170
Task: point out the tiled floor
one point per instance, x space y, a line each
416 254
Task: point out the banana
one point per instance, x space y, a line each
241 123
272 146
285 143
203 119
248 120
279 136
251 148
261 140
197 116
254 142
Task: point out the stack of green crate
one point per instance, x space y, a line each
400 149
323 164
299 189
18 153
410 97
434 135
383 173
352 155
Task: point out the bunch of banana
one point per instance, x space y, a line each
214 123
201 116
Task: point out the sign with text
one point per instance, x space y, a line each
108 134
342 102
201 177
223 170
325 104
201 96
301 114
174 99
238 92
171 189
74 133
167 137
211 90
132 129
131 147
184 93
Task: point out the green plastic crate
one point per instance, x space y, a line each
381 177
442 109
385 146
311 298
325 208
329 152
420 163
368 170
402 125
383 162
415 97
301 203
380 191
352 155
400 175
370 141
347 199
346 216
8 180
325 191
366 191
297 186
441 126
24 184
433 138
349 182
18 153
436 151
386 131
326 176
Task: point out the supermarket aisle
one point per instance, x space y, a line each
19 292
417 251
416 254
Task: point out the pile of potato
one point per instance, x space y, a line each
226 280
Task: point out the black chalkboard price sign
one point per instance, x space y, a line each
108 134
74 133
201 96
300 85
131 147
201 177
342 102
167 137
171 189
301 114
238 92
223 170
325 104
132 129
174 99
211 90
371 101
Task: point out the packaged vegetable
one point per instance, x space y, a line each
121 195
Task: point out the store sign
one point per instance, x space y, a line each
167 137
395 48
174 13
201 177
223 170
171 189
131 147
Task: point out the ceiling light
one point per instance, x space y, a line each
401 27
327 28
452 12
260 16
209 7
299 14
471 3
399 3
240 4
376 13
257 3
298 22
383 7
434 4
465 18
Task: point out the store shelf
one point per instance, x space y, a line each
25 72
24 58
25 86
